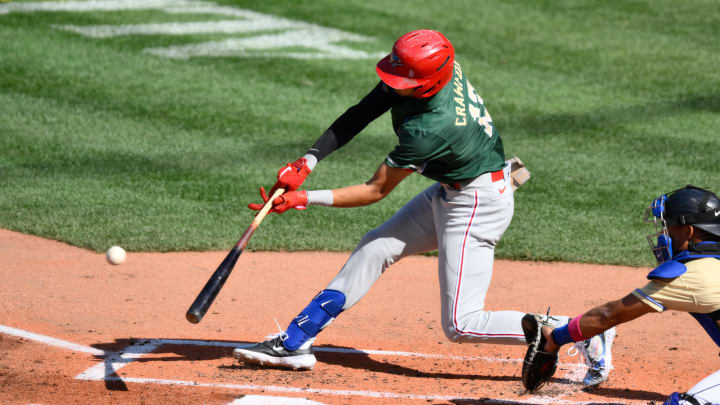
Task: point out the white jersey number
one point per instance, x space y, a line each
478 112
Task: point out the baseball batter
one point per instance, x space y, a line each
687 279
446 134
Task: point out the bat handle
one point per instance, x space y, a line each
258 219
268 205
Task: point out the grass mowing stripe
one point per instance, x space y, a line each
608 104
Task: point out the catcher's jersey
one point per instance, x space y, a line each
696 290
449 137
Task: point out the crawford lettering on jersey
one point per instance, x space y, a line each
461 119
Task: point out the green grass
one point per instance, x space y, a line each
608 104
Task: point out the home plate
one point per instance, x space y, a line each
271 400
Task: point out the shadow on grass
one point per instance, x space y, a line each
570 124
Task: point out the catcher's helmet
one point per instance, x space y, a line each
694 206
686 206
422 59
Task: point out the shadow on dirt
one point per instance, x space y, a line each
359 360
133 350
124 351
629 394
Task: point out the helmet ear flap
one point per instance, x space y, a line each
444 76
421 91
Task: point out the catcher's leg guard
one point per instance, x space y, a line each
327 305
677 398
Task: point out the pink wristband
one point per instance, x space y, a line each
574 329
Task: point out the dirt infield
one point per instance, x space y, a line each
74 329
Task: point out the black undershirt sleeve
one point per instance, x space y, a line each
354 120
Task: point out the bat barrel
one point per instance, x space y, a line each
201 304
212 288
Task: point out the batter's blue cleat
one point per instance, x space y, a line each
598 356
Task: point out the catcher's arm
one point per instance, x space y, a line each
604 317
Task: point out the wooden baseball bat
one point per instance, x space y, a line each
217 280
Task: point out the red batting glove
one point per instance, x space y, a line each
291 199
292 175
258 207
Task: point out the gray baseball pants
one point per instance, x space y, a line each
464 225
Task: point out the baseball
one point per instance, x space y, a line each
115 255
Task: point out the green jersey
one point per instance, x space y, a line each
448 137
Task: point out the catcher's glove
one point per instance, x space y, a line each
538 366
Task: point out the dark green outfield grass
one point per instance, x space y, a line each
609 104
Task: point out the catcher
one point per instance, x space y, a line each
687 249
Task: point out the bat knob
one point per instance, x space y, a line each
192 317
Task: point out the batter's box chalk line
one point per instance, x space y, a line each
116 360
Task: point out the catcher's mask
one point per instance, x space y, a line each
686 206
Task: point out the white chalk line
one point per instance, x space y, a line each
188 342
50 341
345 393
113 361
269 400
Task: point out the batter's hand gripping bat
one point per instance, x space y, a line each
212 288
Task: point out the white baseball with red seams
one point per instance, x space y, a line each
116 255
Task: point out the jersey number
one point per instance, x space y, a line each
478 112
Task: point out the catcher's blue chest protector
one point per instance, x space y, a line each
676 267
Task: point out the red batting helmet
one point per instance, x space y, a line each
422 59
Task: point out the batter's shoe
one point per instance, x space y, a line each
598 356
273 353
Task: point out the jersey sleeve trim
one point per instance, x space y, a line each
648 300
392 163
